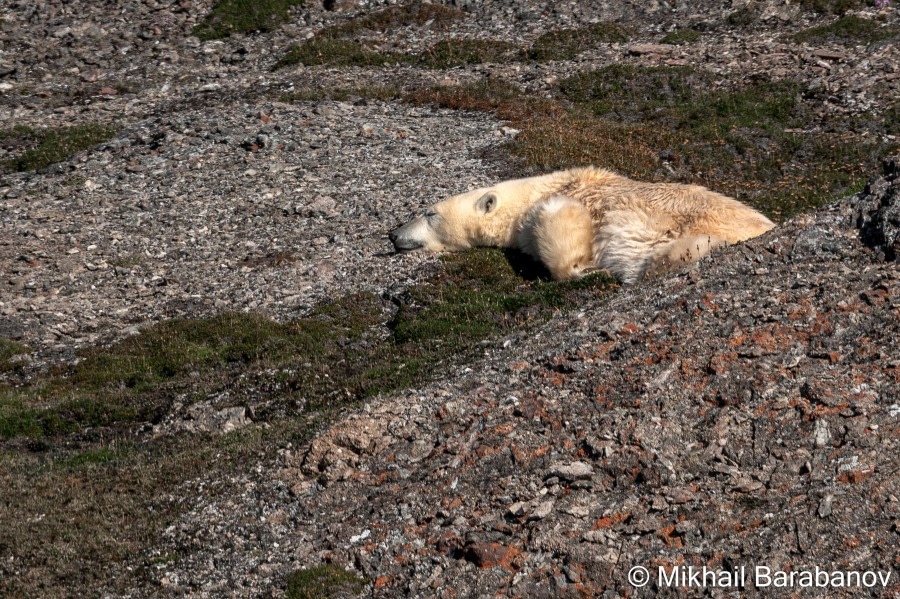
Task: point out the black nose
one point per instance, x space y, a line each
403 244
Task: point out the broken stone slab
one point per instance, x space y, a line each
829 54
642 49
571 471
489 555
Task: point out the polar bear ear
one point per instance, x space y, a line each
486 203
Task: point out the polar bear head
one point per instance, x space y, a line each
488 216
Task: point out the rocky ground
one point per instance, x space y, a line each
744 412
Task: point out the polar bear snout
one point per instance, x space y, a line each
408 237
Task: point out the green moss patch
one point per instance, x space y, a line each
244 16
553 143
116 453
849 31
175 348
634 92
9 351
460 52
563 44
327 581
128 261
134 380
748 141
18 133
680 37
481 296
342 351
683 97
48 146
339 45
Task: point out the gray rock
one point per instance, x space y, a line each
571 470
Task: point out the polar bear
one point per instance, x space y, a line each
638 227
559 233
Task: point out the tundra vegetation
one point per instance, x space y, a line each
67 439
39 148
74 442
244 16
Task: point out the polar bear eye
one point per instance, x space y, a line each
430 214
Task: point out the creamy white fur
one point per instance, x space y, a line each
638 227
559 232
